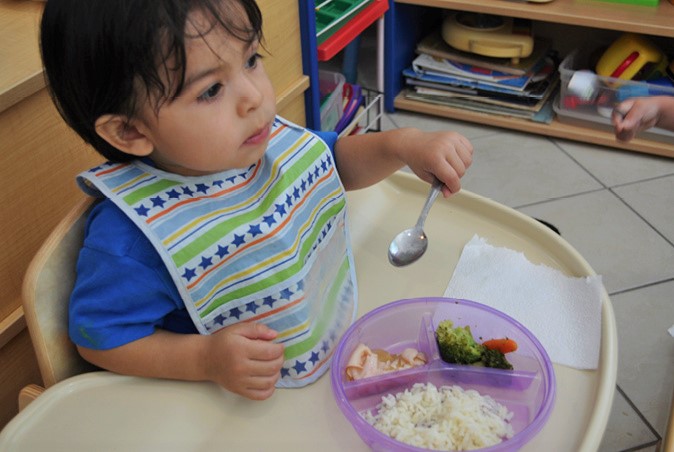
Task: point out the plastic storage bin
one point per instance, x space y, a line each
331 15
588 100
528 390
331 88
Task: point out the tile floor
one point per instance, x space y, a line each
617 209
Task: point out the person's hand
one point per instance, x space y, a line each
438 155
634 115
243 359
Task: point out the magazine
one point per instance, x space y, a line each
543 115
519 103
534 89
461 73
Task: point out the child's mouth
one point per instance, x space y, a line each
259 136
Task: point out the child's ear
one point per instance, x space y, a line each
120 133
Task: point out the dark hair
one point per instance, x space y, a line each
103 56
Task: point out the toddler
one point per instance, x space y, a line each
219 249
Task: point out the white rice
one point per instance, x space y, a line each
448 418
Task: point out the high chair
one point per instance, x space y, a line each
668 437
47 285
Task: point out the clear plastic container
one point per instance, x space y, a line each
331 88
528 390
593 109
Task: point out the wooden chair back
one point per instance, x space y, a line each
47 286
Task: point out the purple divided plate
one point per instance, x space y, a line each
528 391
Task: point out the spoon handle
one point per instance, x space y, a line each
435 190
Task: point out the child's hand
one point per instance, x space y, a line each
442 155
243 359
634 115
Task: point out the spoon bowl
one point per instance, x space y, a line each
407 247
411 244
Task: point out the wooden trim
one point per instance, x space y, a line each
28 394
12 325
555 129
655 20
287 95
22 74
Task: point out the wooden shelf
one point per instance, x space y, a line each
650 20
20 63
556 129
597 14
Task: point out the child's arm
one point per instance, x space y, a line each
241 358
641 113
363 160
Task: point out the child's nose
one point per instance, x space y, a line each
250 96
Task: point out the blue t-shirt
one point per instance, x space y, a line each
123 291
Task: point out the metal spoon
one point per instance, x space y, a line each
411 244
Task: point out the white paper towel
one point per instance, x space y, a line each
563 312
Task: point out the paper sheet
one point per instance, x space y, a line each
564 313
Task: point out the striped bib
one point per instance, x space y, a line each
268 243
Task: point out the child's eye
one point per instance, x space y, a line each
252 61
211 93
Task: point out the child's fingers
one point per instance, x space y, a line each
267 352
467 145
462 158
617 117
265 369
259 384
255 331
451 180
621 110
258 394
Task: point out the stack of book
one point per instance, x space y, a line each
443 75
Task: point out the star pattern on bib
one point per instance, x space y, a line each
274 216
251 308
319 354
179 193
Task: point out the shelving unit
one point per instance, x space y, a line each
312 53
408 20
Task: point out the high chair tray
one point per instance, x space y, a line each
103 411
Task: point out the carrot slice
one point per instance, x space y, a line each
505 345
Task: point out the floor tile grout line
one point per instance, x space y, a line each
642 446
648 179
638 412
643 286
608 189
640 216
590 173
559 198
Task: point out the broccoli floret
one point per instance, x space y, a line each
495 359
457 345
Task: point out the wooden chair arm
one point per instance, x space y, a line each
28 394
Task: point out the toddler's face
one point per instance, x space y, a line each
223 116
